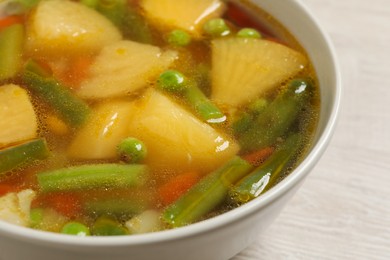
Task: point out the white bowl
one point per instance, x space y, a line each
224 236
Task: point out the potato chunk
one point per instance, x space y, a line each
103 132
15 207
124 67
243 69
59 26
18 120
175 138
187 15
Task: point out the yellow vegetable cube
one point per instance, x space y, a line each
187 15
124 67
18 120
59 26
105 129
243 69
175 138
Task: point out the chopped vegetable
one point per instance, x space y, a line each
73 110
93 176
259 65
177 186
258 157
132 150
65 203
179 38
186 15
11 49
59 27
106 226
174 81
103 131
216 27
207 194
75 228
265 176
123 68
175 138
120 207
22 154
277 117
18 119
47 219
249 33
147 221
10 20
15 207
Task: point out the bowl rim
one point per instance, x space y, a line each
218 222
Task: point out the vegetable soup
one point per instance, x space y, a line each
132 116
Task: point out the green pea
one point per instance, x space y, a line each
179 38
216 27
171 80
249 33
132 150
75 228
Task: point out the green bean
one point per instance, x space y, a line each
73 110
245 119
22 154
11 49
266 175
277 117
175 82
122 208
207 194
93 176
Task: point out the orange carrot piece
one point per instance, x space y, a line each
5 188
258 157
78 70
10 20
67 204
173 189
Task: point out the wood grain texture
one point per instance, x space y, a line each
343 209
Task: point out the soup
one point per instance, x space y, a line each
127 117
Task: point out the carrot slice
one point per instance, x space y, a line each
258 157
67 204
5 188
10 20
173 189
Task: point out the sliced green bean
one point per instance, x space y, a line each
11 49
266 175
121 208
206 195
93 176
175 82
277 117
22 154
73 110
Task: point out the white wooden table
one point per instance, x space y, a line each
343 209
